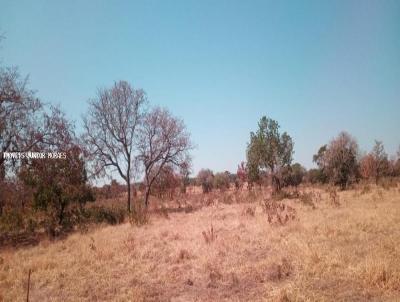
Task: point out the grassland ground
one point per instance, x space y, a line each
226 251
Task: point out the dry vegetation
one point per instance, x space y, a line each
226 252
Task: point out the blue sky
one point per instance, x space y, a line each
318 67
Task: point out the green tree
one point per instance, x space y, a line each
184 173
316 176
221 180
268 151
341 159
381 160
293 175
319 158
205 178
319 175
60 182
166 182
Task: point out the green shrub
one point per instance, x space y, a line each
221 181
97 214
100 214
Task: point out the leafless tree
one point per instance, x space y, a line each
111 126
18 119
163 141
367 166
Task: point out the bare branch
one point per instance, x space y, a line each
163 141
111 128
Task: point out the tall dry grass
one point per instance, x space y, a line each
226 251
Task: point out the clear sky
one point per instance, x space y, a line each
318 67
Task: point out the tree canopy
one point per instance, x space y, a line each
268 151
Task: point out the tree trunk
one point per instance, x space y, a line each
146 196
61 213
276 183
129 194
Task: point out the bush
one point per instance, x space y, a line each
59 185
340 160
293 175
100 214
280 195
11 221
316 176
221 181
205 179
165 183
94 214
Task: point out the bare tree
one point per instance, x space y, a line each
367 166
18 119
26 124
163 141
111 126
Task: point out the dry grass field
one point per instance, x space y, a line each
225 252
